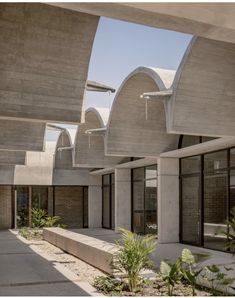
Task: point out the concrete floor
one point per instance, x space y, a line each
170 251
25 273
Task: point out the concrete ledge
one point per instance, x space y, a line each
96 252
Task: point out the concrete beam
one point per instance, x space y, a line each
203 102
11 157
210 20
89 149
45 53
137 128
22 135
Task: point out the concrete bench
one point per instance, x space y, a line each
93 251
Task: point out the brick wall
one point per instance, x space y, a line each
5 207
69 205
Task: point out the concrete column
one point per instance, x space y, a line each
123 198
95 202
168 200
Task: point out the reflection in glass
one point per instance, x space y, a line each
85 207
22 206
145 200
215 161
215 194
190 209
190 165
40 197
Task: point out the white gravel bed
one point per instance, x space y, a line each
84 271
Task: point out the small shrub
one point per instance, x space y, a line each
108 285
170 274
40 219
188 262
24 232
133 255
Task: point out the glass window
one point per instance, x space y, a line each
145 200
108 214
40 197
190 165
189 141
22 196
138 174
85 207
190 209
215 213
215 161
232 157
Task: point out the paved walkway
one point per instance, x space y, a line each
25 273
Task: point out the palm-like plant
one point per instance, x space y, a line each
133 255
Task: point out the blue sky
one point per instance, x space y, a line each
120 47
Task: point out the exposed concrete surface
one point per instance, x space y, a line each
93 251
123 198
138 128
210 20
168 200
89 149
12 157
45 53
21 135
25 273
204 89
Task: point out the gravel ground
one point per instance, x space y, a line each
84 271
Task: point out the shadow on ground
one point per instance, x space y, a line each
25 273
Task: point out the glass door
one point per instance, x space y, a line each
22 206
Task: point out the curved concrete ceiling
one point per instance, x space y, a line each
63 158
22 135
89 149
129 131
45 53
210 20
203 101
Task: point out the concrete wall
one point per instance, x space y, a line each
129 131
70 177
5 207
21 135
123 198
69 205
168 200
45 53
204 89
89 151
95 202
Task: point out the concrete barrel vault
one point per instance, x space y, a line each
203 101
129 131
45 53
89 150
63 158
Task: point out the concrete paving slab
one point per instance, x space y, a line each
53 289
26 273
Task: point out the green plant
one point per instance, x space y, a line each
217 278
40 219
133 255
171 274
24 232
108 285
230 233
188 263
